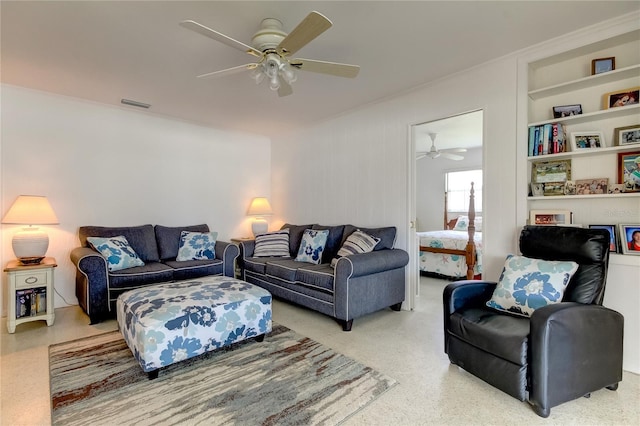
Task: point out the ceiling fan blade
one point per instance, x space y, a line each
208 32
454 150
229 71
285 89
324 67
455 157
420 155
311 27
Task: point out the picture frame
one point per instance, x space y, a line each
537 189
627 135
629 170
615 188
630 238
587 140
550 217
594 186
600 65
554 188
566 110
613 235
621 98
551 171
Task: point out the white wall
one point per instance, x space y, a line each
112 166
430 186
353 168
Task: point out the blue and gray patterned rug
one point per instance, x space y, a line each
287 379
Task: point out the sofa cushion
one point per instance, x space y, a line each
527 284
356 243
503 335
312 246
187 269
117 251
285 269
150 273
295 236
272 244
334 241
197 246
141 238
386 234
168 238
316 276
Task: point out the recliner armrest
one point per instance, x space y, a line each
466 294
357 265
575 349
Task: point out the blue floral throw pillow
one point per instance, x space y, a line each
528 284
117 251
312 246
197 246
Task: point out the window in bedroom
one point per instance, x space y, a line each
458 185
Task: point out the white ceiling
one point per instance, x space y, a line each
104 51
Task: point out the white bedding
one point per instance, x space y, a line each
448 264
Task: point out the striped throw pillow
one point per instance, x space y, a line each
356 243
272 244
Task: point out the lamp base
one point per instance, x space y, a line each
259 226
30 244
30 260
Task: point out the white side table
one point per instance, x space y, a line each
30 293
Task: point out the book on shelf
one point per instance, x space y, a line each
31 302
547 139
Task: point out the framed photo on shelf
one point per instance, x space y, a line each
549 217
566 110
629 170
613 236
621 98
628 135
537 189
615 188
630 238
592 186
554 188
587 140
600 65
551 171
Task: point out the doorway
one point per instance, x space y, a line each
438 147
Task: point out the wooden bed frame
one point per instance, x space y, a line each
469 252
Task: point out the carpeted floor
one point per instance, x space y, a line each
288 379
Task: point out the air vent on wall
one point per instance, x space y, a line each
135 103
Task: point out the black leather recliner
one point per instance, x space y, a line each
564 351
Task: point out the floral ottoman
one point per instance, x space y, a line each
167 323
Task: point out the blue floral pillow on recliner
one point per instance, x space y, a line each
312 246
117 251
197 246
528 284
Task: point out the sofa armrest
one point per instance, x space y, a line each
357 265
575 349
228 253
247 248
91 282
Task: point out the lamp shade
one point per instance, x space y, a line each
30 245
259 207
31 210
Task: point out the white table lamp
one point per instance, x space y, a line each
30 245
259 208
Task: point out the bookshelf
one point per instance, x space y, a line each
30 292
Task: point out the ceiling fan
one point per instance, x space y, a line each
444 153
273 49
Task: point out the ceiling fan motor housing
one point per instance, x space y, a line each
269 36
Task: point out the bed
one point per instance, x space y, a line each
456 251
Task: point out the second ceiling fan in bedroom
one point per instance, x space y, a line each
273 49
434 152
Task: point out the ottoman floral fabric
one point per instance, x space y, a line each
166 323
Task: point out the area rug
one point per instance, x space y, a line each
287 379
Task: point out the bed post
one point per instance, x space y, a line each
471 247
446 222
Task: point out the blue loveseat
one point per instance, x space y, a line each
358 285
97 288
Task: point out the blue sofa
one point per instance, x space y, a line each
358 285
97 288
